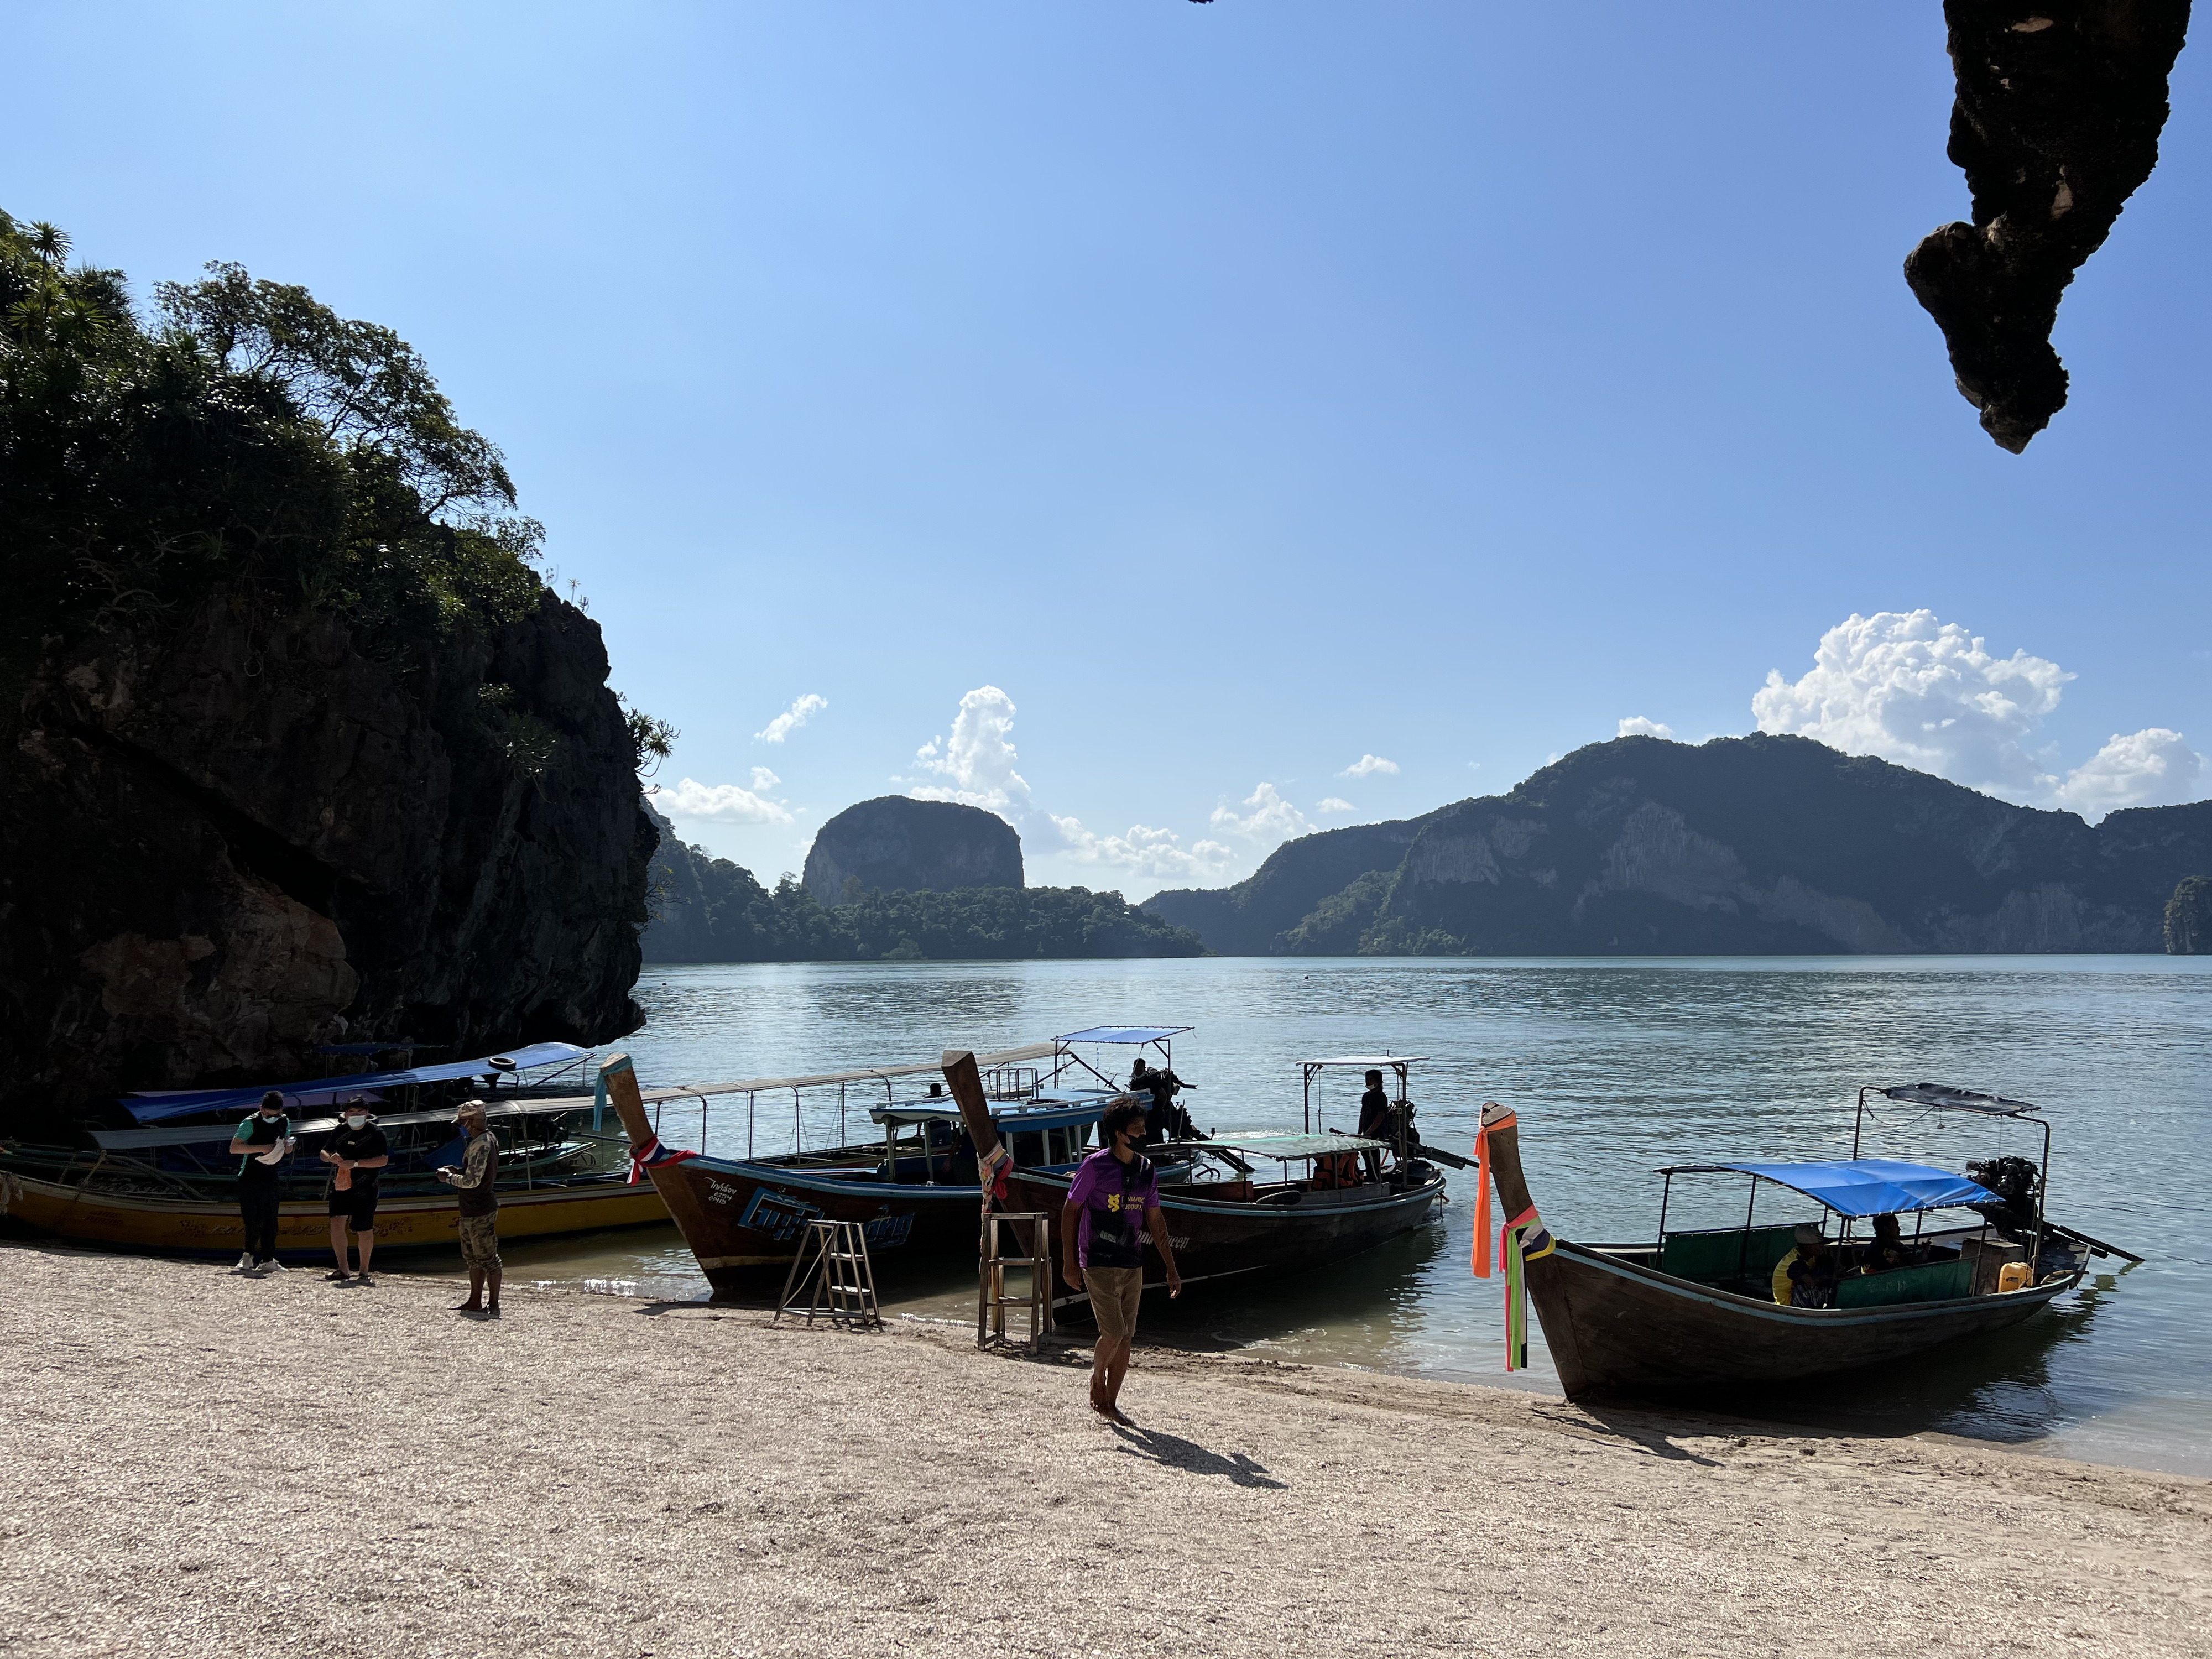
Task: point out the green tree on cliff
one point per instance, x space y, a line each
244 436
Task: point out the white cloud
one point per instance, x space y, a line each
1266 817
979 759
1928 694
1637 726
1156 852
2151 767
792 719
726 803
1367 765
764 780
1335 804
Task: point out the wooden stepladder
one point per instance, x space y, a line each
991 1298
833 1273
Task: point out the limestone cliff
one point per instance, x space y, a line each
235 837
2189 918
897 844
1757 845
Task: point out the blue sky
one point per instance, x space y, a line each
1238 390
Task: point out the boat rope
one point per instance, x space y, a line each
643 1157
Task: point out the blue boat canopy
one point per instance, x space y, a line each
1863 1186
324 1092
1125 1034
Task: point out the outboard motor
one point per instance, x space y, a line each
2013 1181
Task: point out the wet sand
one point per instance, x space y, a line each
193 1463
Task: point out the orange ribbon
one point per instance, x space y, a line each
1482 1191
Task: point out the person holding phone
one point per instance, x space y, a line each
474 1175
357 1154
262 1142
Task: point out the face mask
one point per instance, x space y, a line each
271 1117
355 1119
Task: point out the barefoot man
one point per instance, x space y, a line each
479 1208
1102 1250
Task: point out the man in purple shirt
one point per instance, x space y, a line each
1102 1244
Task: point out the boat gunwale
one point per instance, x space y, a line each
1691 1290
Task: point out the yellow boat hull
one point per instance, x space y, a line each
428 1219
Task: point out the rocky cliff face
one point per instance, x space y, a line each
2189 918
1757 845
236 838
897 844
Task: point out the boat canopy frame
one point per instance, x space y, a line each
1937 1097
1402 1064
1140 1037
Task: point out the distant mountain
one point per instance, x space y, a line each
1751 845
895 843
708 909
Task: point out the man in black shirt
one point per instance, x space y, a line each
1378 1119
262 1143
357 1155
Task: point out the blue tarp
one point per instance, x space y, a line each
1871 1186
324 1092
1124 1033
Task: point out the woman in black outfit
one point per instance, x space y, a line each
357 1155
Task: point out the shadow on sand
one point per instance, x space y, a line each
1172 1452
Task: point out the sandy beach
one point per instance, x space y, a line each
197 1463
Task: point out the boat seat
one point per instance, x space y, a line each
1931 1281
1728 1255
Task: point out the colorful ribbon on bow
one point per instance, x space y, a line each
644 1157
1482 1195
995 1167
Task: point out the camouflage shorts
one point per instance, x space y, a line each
480 1242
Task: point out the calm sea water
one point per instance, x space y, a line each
1614 1068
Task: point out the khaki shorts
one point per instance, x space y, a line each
1114 1293
480 1242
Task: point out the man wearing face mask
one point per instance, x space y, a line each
357 1155
261 1144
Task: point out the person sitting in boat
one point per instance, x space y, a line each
1886 1248
1805 1277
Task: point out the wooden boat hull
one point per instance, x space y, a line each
419 1221
1220 1240
742 1220
1615 1328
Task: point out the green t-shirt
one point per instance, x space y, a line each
257 1131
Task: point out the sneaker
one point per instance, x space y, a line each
273 1265
245 1262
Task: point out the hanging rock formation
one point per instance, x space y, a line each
2059 108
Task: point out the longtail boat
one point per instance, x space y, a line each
173 1185
1695 1312
912 1193
1331 1197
